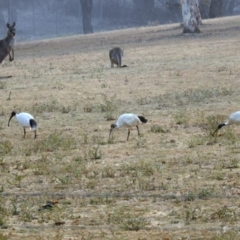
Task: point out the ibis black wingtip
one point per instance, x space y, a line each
142 119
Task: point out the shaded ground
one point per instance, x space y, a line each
175 182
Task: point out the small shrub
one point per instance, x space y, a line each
196 141
3 84
126 219
87 109
229 235
3 237
219 176
5 147
189 197
51 106
66 109
108 172
158 129
134 224
143 101
109 107
225 214
181 118
212 122
91 184
230 136
103 85
93 153
98 140
53 142
141 142
204 194
41 166
233 164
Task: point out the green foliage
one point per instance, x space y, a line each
211 123
96 139
190 214
109 107
229 235
143 168
5 147
204 194
225 214
3 237
102 200
93 153
51 106
234 163
52 143
143 100
141 142
196 141
193 96
3 85
41 166
157 129
181 118
3 212
189 197
108 172
127 219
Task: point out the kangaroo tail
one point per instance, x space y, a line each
142 119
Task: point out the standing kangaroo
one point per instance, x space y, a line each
115 55
7 44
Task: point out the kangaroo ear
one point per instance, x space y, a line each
8 25
13 25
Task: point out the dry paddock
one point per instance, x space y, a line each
176 182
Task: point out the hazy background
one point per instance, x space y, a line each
37 19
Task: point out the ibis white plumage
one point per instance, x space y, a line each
128 120
25 120
234 118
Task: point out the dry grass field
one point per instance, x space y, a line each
176 182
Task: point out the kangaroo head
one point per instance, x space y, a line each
11 29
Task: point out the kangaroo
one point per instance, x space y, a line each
115 55
7 44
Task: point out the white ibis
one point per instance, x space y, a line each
128 120
25 120
234 118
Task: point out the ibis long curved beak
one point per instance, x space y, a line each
219 126
10 119
215 131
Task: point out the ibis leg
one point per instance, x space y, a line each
35 134
128 134
138 131
24 132
110 132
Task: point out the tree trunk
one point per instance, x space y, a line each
2 26
86 6
228 7
191 16
215 8
33 17
12 11
144 10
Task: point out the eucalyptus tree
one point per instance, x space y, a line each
191 16
86 6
